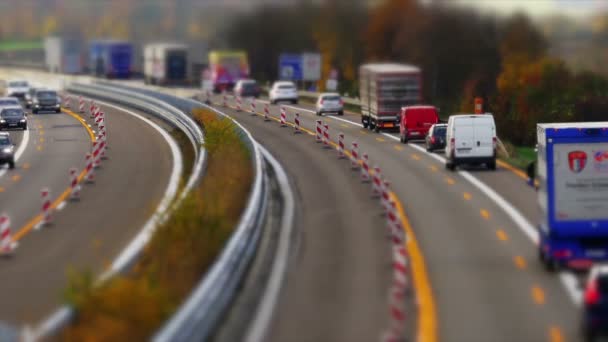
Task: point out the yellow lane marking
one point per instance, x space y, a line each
23 231
502 235
467 196
41 132
1 189
427 315
450 181
41 140
26 166
16 178
555 334
39 147
380 140
513 169
415 156
39 127
433 168
520 262
398 147
363 132
485 214
538 295
345 125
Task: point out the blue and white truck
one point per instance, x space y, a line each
111 58
572 171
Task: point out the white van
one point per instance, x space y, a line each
471 139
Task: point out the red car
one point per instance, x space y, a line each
415 122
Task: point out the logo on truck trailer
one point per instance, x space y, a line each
577 161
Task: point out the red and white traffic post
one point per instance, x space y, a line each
80 104
365 168
377 181
266 112
90 170
66 100
238 103
319 131
283 117
45 194
394 226
7 245
224 100
341 146
253 109
92 108
74 185
296 126
326 139
385 195
354 155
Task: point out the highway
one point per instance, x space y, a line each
86 234
486 282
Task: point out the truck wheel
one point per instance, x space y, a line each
341 113
11 164
404 138
450 165
364 123
377 129
549 264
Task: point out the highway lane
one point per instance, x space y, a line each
86 234
337 284
483 271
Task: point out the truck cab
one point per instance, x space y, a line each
572 172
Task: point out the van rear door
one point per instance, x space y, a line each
485 131
464 136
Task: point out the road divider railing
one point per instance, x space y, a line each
200 314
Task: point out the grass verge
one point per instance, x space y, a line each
131 307
518 156
9 45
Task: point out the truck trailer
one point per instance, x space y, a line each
384 88
111 58
64 55
166 64
572 174
227 67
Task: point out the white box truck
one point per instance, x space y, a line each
64 55
572 173
166 63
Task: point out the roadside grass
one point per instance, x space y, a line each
10 45
519 156
131 307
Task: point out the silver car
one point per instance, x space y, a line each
330 103
7 150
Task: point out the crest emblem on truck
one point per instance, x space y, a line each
577 161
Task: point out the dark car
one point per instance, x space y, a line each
7 151
13 117
247 88
595 305
435 138
46 100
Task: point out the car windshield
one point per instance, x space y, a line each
286 87
331 98
249 86
7 102
46 94
4 140
11 113
17 84
439 131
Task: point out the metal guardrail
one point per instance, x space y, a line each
199 315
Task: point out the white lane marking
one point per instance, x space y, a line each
20 150
568 280
259 327
58 318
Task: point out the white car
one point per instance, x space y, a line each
471 139
9 102
330 103
283 91
17 88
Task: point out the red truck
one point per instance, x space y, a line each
384 88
